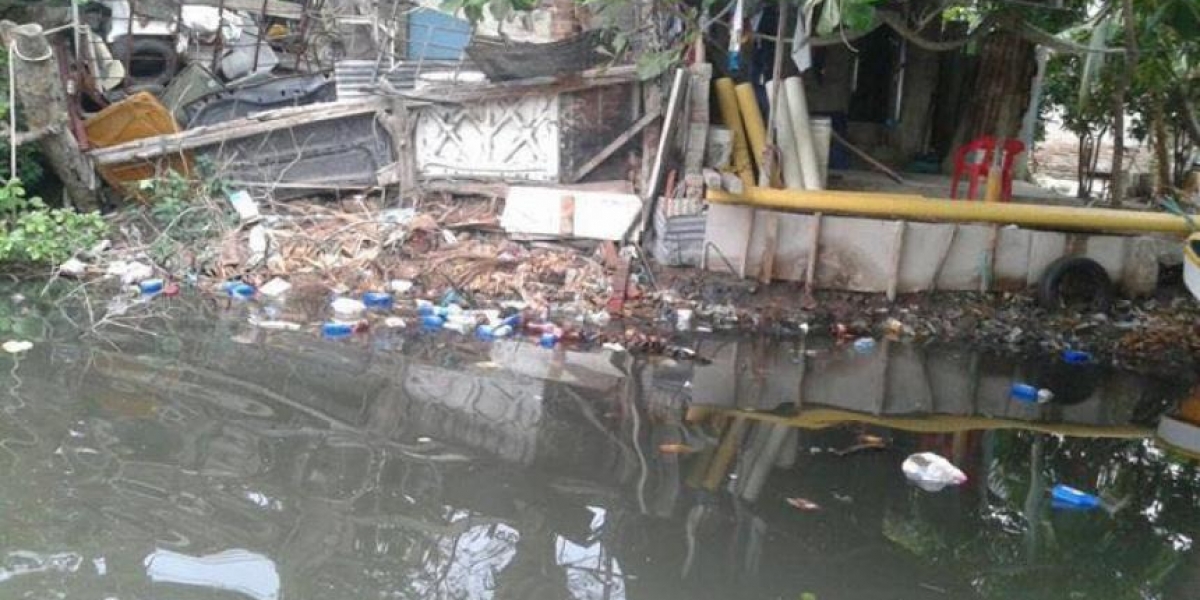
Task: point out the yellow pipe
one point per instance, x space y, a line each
727 102
756 130
822 418
918 208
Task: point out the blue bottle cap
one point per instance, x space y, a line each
548 340
1076 357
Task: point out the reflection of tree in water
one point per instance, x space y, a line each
1023 548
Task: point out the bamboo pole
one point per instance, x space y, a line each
740 156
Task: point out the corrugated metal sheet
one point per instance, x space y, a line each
679 240
357 78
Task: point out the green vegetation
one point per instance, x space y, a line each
33 233
184 214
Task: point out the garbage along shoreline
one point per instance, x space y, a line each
340 270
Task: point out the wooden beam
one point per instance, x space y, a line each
766 266
273 8
285 118
460 93
859 152
897 255
612 147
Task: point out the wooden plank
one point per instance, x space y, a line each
897 253
810 270
612 147
766 268
458 92
154 147
273 8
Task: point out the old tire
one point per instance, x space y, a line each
1074 281
152 61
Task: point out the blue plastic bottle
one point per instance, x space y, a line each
242 291
336 330
1076 357
151 286
432 321
1024 392
1069 497
377 300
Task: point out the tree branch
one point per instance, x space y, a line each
25 137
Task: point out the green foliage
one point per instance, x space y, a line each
183 210
31 232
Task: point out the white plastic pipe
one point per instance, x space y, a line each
785 139
798 104
822 132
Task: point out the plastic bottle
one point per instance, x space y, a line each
378 300
241 291
337 329
1023 392
151 286
1076 357
1065 496
864 345
490 333
347 308
432 321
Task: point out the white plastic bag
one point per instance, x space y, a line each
931 472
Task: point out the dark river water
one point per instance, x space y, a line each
206 459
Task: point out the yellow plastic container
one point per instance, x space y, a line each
138 117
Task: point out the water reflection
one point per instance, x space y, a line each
433 468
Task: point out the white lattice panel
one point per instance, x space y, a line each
513 138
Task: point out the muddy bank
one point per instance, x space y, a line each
1159 334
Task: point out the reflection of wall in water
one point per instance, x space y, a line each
893 379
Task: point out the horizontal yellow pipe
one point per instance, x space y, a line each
822 418
918 208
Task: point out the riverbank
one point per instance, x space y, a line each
452 255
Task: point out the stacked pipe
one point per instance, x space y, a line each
798 166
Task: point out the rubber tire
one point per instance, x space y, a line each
162 48
1049 293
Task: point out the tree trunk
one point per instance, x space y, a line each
1162 161
1118 181
43 102
1001 92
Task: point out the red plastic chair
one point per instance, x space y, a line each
974 160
